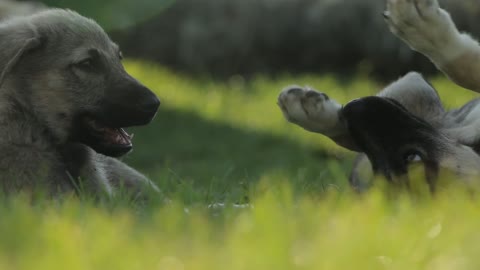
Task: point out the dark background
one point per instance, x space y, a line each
222 38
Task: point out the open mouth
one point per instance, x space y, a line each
114 136
110 141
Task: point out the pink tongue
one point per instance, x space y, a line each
117 136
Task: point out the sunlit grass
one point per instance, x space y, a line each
252 104
227 142
278 231
245 104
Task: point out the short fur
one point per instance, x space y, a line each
56 67
405 123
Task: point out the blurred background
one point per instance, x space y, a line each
246 186
223 38
218 66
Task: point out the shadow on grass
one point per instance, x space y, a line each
204 160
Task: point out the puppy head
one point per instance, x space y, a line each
394 139
73 80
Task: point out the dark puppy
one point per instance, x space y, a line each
405 123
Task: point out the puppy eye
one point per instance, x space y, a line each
412 157
85 63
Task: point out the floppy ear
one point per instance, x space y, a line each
15 40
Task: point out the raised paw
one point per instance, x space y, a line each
424 26
310 109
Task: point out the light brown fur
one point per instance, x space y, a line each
42 90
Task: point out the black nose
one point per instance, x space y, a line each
147 105
150 105
128 104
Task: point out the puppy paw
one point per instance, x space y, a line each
310 109
424 26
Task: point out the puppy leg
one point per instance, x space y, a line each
463 124
315 112
97 173
417 96
85 170
121 175
428 29
362 173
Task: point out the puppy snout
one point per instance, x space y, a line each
150 104
147 105
130 104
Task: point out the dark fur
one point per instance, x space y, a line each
405 124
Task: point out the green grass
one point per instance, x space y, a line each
228 143
218 138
